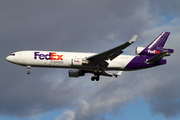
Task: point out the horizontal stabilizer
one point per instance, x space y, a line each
157 58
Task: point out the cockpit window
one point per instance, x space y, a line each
13 54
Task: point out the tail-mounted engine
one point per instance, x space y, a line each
149 52
139 50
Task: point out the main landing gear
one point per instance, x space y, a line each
28 67
96 75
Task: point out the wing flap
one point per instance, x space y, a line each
117 74
111 74
106 74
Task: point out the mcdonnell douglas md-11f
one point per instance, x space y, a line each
97 64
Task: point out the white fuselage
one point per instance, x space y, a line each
57 59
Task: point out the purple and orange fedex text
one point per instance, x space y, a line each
50 56
153 51
77 61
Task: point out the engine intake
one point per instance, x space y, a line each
139 50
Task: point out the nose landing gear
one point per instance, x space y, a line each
28 67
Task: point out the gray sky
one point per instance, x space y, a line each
86 26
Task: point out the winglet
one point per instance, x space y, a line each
133 39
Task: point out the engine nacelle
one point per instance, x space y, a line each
139 50
76 73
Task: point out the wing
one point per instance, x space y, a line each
112 53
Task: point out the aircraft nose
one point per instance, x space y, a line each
7 58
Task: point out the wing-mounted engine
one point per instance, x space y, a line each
76 73
150 52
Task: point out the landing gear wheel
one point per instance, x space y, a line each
28 67
97 78
93 78
28 72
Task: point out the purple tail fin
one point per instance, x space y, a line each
156 46
159 41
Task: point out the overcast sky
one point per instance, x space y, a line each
87 26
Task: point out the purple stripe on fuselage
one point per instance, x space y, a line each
139 62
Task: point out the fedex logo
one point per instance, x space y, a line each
153 51
77 61
50 56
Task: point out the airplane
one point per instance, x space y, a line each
97 64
